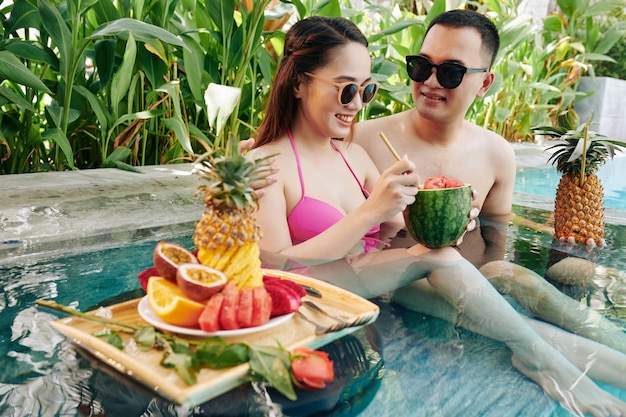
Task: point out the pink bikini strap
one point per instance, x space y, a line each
295 152
349 167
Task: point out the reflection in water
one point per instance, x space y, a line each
431 367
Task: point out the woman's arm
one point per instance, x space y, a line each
391 193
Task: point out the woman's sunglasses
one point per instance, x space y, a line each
348 90
449 75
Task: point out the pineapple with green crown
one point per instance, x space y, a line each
227 234
579 201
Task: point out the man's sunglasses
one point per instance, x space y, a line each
449 75
348 90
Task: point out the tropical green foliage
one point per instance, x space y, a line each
98 83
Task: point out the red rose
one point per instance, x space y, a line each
311 369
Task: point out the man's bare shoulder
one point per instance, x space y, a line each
490 140
367 130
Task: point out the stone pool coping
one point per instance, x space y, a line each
62 210
67 209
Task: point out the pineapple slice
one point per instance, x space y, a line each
227 234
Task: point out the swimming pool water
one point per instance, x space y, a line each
543 181
431 368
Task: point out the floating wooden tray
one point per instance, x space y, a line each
145 366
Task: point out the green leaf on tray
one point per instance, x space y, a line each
183 364
216 353
145 338
111 338
272 364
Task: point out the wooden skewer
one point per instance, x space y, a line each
389 145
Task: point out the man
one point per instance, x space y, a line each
450 72
435 134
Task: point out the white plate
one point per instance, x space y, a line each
146 313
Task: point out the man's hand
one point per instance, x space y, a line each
272 166
471 225
590 243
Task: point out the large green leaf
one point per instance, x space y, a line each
56 112
222 12
123 75
23 15
173 90
56 27
105 11
193 64
609 38
438 7
97 107
395 28
32 52
13 70
56 135
12 97
152 65
141 31
603 7
147 114
120 154
116 160
177 126
105 59
327 8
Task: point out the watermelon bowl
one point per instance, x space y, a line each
439 217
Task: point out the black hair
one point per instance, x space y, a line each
460 18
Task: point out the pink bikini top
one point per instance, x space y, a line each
311 216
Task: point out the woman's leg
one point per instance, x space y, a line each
549 304
478 307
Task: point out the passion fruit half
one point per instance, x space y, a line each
199 282
168 257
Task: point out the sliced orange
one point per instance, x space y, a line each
170 304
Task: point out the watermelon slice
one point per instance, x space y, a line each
261 306
209 320
244 311
228 313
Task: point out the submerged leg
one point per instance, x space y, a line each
481 309
600 362
546 302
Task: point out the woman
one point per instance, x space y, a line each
330 203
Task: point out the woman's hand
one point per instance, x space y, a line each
394 191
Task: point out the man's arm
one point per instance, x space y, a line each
499 200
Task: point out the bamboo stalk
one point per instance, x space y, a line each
584 155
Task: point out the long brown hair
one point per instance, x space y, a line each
307 45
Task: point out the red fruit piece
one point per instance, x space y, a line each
284 299
209 320
261 306
454 183
435 182
244 311
228 314
145 275
299 289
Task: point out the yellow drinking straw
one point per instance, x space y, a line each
389 145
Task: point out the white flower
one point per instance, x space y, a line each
220 102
